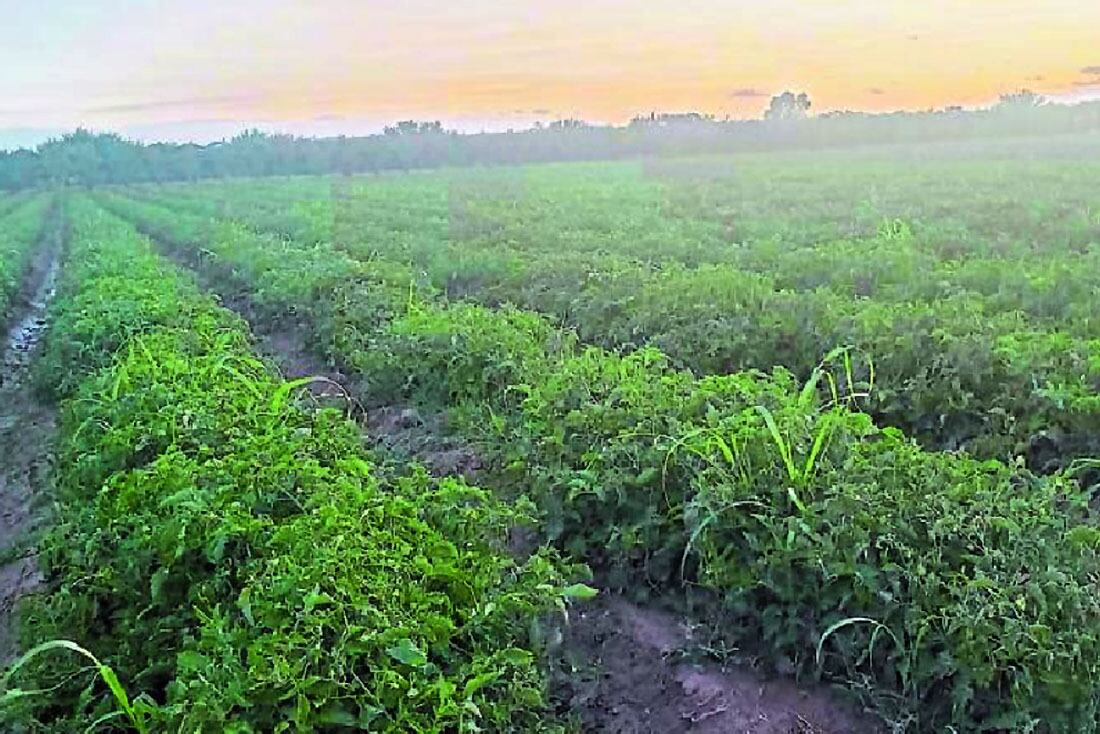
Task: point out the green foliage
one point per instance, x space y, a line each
731 264
952 592
933 549
21 225
233 559
403 619
796 515
461 354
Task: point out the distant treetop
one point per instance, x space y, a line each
788 106
83 158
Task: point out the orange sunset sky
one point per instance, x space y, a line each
204 68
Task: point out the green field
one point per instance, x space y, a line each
841 409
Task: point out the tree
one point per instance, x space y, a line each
788 106
412 127
670 119
1025 99
87 158
567 124
84 158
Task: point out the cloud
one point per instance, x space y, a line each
876 91
23 111
1037 78
1091 70
172 104
1088 83
748 93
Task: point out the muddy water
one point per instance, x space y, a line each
26 333
26 431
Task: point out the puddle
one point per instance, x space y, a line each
27 331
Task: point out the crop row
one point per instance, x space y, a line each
821 220
497 244
968 206
845 550
234 558
958 372
20 231
10 202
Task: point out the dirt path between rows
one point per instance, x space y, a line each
401 432
26 435
631 672
636 671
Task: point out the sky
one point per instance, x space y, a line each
203 69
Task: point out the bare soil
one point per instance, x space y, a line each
26 432
407 434
634 674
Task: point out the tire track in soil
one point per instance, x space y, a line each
27 425
630 670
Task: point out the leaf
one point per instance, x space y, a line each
476 683
244 602
14 694
579 591
515 656
192 660
337 716
315 599
879 626
407 653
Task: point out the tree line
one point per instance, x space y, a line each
83 158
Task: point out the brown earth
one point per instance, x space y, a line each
26 432
634 675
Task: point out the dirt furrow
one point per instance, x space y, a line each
631 669
26 435
401 433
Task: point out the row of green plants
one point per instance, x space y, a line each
20 232
949 592
497 255
709 210
972 202
958 371
895 246
229 560
962 202
539 209
10 202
